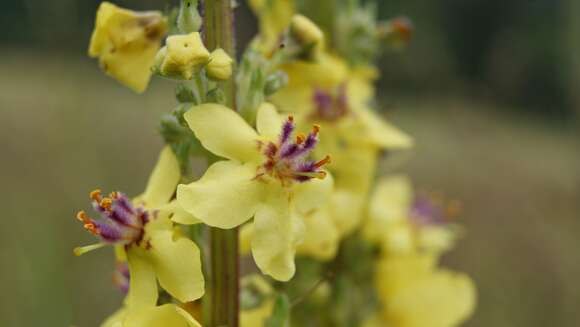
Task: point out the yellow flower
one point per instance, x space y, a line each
267 176
274 17
126 43
182 55
169 315
415 293
404 222
220 65
335 96
144 230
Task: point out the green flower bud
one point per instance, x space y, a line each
188 19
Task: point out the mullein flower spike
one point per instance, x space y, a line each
268 176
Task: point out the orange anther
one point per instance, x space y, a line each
106 203
300 138
315 128
321 174
95 195
290 118
114 195
82 216
322 162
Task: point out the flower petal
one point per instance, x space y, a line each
163 180
223 132
277 232
312 194
225 197
142 283
168 315
389 204
346 208
321 236
116 319
381 133
179 215
268 121
177 264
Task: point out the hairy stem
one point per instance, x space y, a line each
223 281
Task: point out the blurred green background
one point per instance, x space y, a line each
489 89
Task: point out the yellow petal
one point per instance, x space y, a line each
256 317
225 197
142 283
390 204
346 208
268 121
381 133
179 215
397 273
443 299
220 65
126 43
177 264
312 194
163 180
277 232
321 236
116 319
246 233
168 315
223 132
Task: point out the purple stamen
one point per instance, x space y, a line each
287 130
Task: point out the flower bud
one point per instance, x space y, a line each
188 19
220 65
183 54
305 31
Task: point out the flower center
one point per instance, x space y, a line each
330 106
121 222
287 160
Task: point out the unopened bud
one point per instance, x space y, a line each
184 94
305 31
220 65
188 19
183 54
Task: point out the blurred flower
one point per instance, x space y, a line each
220 65
274 17
181 56
268 176
415 293
126 43
257 301
404 222
335 96
144 231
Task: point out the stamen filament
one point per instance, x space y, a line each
80 250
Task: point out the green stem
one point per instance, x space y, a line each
223 280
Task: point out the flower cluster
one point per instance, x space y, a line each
294 168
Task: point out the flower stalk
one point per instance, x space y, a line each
223 284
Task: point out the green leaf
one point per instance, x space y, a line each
281 312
